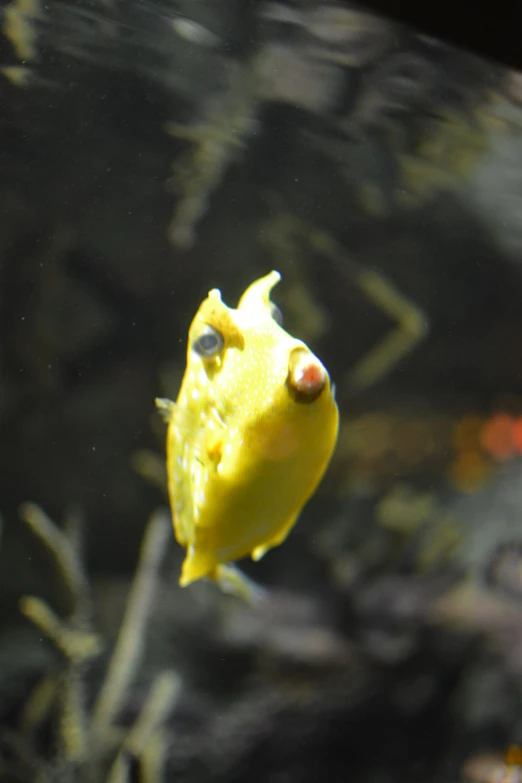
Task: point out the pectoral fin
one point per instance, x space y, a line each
166 408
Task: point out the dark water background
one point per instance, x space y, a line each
150 151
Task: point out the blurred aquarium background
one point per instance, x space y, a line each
151 150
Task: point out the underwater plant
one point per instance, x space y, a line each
88 742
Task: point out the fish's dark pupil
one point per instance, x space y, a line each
209 343
276 313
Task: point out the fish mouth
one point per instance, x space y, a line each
307 378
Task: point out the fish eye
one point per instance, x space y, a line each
276 314
209 343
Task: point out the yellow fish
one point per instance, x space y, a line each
250 435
